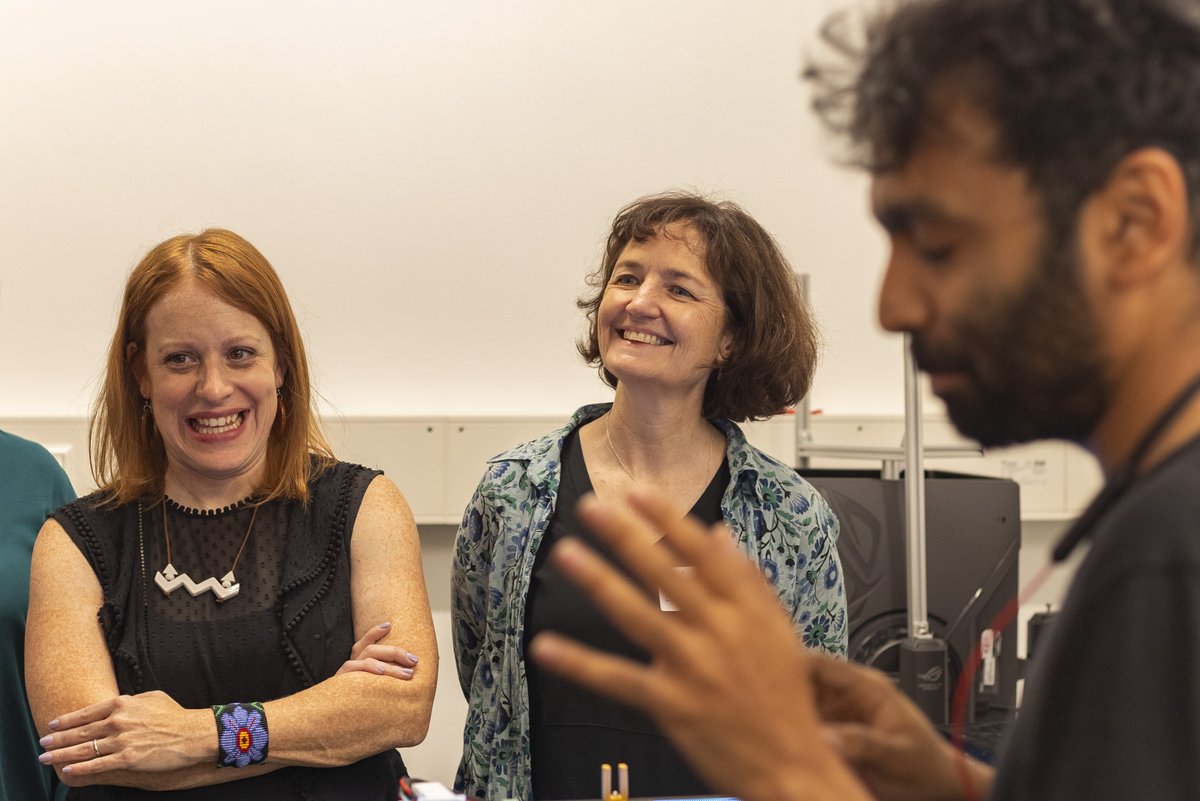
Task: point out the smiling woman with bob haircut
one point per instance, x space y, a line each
233 606
697 322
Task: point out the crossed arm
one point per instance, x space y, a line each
766 719
149 741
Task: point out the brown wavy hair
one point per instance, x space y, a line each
774 353
127 453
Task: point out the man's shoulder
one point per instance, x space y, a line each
1153 526
1167 499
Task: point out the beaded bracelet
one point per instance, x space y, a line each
242 735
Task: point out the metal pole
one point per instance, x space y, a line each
914 485
924 658
804 413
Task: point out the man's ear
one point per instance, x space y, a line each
1137 222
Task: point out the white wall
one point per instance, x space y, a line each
432 180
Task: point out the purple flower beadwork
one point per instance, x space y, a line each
243 736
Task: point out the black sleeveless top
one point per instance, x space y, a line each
288 627
573 731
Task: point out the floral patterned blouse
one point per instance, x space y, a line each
777 517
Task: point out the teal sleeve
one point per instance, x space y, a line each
32 485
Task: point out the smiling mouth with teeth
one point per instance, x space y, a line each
216 425
648 339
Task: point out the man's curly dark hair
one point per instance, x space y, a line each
1072 86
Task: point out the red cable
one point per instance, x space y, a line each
962 691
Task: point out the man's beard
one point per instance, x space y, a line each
1033 361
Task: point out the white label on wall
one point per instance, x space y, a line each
1025 471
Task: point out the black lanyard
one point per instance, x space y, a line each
1122 479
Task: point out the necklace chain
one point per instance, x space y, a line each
169 580
708 468
613 451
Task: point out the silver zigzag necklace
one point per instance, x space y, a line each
169 579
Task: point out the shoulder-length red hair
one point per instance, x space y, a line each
127 453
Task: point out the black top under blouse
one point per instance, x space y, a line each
573 731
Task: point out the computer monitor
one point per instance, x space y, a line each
973 538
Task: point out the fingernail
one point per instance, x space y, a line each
46 758
67 769
588 501
385 625
412 657
54 724
568 552
407 672
543 648
45 741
